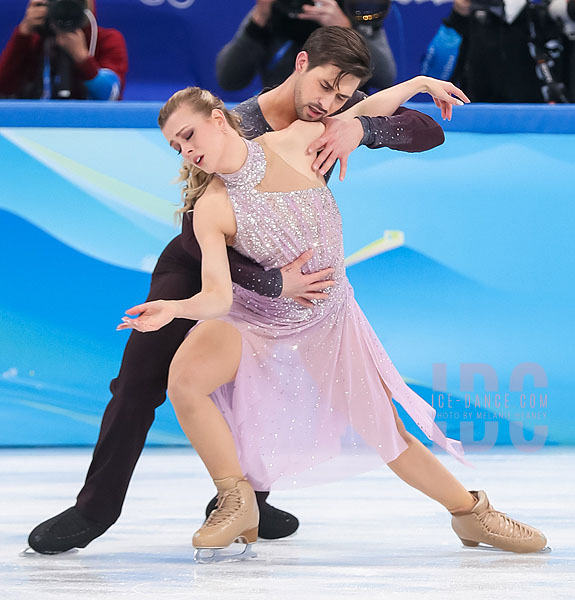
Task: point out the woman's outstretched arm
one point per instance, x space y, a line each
387 101
214 220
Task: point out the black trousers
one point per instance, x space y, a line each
137 391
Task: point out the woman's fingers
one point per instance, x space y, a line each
453 95
138 324
136 310
449 99
128 325
459 93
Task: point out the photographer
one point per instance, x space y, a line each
59 52
505 51
274 31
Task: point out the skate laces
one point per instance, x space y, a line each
227 506
499 523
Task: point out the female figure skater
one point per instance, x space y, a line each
269 392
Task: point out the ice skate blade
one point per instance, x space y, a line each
494 549
31 553
219 555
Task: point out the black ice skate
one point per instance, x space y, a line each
65 531
274 523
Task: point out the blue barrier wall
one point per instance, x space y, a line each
174 43
461 257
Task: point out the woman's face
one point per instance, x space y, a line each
199 139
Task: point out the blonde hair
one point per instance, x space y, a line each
194 180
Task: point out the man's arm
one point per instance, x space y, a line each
22 54
406 130
245 272
252 276
287 282
17 58
382 59
106 77
238 61
379 121
104 73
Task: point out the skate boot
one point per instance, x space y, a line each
67 530
484 524
235 519
274 523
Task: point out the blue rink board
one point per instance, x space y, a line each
485 274
478 118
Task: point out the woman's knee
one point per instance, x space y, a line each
182 384
184 387
208 359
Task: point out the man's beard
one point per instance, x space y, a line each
301 108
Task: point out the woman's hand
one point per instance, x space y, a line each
151 316
444 94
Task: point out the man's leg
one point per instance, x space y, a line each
139 388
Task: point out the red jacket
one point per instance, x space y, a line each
21 63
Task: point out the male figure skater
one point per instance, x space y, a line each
311 93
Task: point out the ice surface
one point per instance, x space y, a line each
368 537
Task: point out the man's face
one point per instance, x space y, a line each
316 94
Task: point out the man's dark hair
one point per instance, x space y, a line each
342 47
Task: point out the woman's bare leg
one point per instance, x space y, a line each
421 469
208 358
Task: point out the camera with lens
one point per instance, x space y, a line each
367 15
64 16
292 8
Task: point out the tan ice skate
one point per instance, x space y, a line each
484 524
235 519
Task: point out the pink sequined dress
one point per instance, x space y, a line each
307 405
